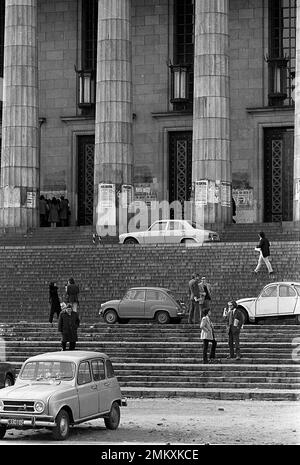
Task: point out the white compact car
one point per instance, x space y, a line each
281 299
170 232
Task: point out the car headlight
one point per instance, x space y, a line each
39 406
1 405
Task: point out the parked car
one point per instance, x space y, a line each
144 303
281 299
7 374
170 232
58 389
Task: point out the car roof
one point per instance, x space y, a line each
68 356
142 288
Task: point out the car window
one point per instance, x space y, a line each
270 291
286 291
156 295
175 226
48 369
134 294
159 226
98 370
109 369
298 289
84 373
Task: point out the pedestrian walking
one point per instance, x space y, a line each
72 291
207 335
264 253
205 295
54 302
194 313
68 324
53 212
234 320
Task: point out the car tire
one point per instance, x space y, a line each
130 240
110 316
245 315
112 421
162 317
2 431
9 381
62 429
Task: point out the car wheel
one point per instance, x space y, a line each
162 317
130 240
8 381
188 242
113 419
245 315
110 316
62 428
2 431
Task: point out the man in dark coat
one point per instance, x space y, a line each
68 322
234 320
72 293
264 252
194 313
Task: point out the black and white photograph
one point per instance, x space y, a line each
149 227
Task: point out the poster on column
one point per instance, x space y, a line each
201 192
106 209
126 196
226 194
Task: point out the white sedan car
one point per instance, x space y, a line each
281 299
170 232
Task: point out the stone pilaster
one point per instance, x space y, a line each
113 127
296 212
211 123
19 158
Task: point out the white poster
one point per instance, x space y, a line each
201 192
226 194
126 196
106 208
31 199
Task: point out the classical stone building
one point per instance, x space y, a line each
164 99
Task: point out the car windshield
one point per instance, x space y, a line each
41 370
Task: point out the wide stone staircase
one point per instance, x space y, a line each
152 360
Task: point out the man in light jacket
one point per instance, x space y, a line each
207 335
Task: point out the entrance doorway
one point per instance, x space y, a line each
85 180
278 174
180 166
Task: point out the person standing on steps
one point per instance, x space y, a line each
53 213
234 321
54 302
264 253
205 295
72 294
68 323
207 335
194 312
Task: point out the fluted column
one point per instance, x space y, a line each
296 210
113 127
211 124
19 158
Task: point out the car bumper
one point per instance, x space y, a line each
124 402
18 421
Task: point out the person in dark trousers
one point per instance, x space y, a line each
63 211
194 312
72 294
207 335
264 253
68 324
205 295
233 209
43 206
234 319
54 302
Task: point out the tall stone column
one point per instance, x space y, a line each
113 127
19 157
211 124
296 210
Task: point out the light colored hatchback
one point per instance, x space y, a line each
58 389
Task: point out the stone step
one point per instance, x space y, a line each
209 385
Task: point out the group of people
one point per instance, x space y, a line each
200 299
66 310
54 212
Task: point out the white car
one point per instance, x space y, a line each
170 232
281 299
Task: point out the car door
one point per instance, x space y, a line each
133 304
157 300
267 302
103 386
174 232
87 391
287 299
156 233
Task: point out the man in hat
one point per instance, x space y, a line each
68 322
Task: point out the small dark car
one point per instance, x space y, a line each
7 374
154 303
